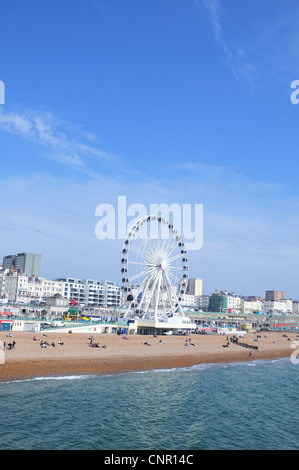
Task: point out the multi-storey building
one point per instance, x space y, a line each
194 287
202 303
274 295
17 287
91 292
26 263
273 306
224 301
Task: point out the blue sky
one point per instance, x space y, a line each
167 101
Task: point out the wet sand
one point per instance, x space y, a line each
76 357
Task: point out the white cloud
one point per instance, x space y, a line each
63 142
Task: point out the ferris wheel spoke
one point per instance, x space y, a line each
173 258
141 290
172 248
170 242
175 278
137 275
169 290
137 262
136 249
158 293
151 294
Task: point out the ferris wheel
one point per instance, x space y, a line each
154 269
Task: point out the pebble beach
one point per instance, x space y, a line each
72 353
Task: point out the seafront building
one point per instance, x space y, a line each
16 287
20 283
91 292
20 288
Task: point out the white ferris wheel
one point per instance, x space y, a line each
154 269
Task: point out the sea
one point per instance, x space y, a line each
237 406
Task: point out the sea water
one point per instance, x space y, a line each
237 406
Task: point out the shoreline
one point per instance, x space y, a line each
28 360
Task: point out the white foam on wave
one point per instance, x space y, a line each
208 366
59 377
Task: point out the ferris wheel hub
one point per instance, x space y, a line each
164 265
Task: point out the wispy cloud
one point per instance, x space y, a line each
258 43
236 56
61 140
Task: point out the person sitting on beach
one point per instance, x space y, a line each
53 344
104 346
60 342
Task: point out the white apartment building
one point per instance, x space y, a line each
273 306
112 294
39 288
251 306
9 286
234 303
16 287
91 292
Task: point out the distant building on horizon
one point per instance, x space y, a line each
25 263
274 295
194 287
